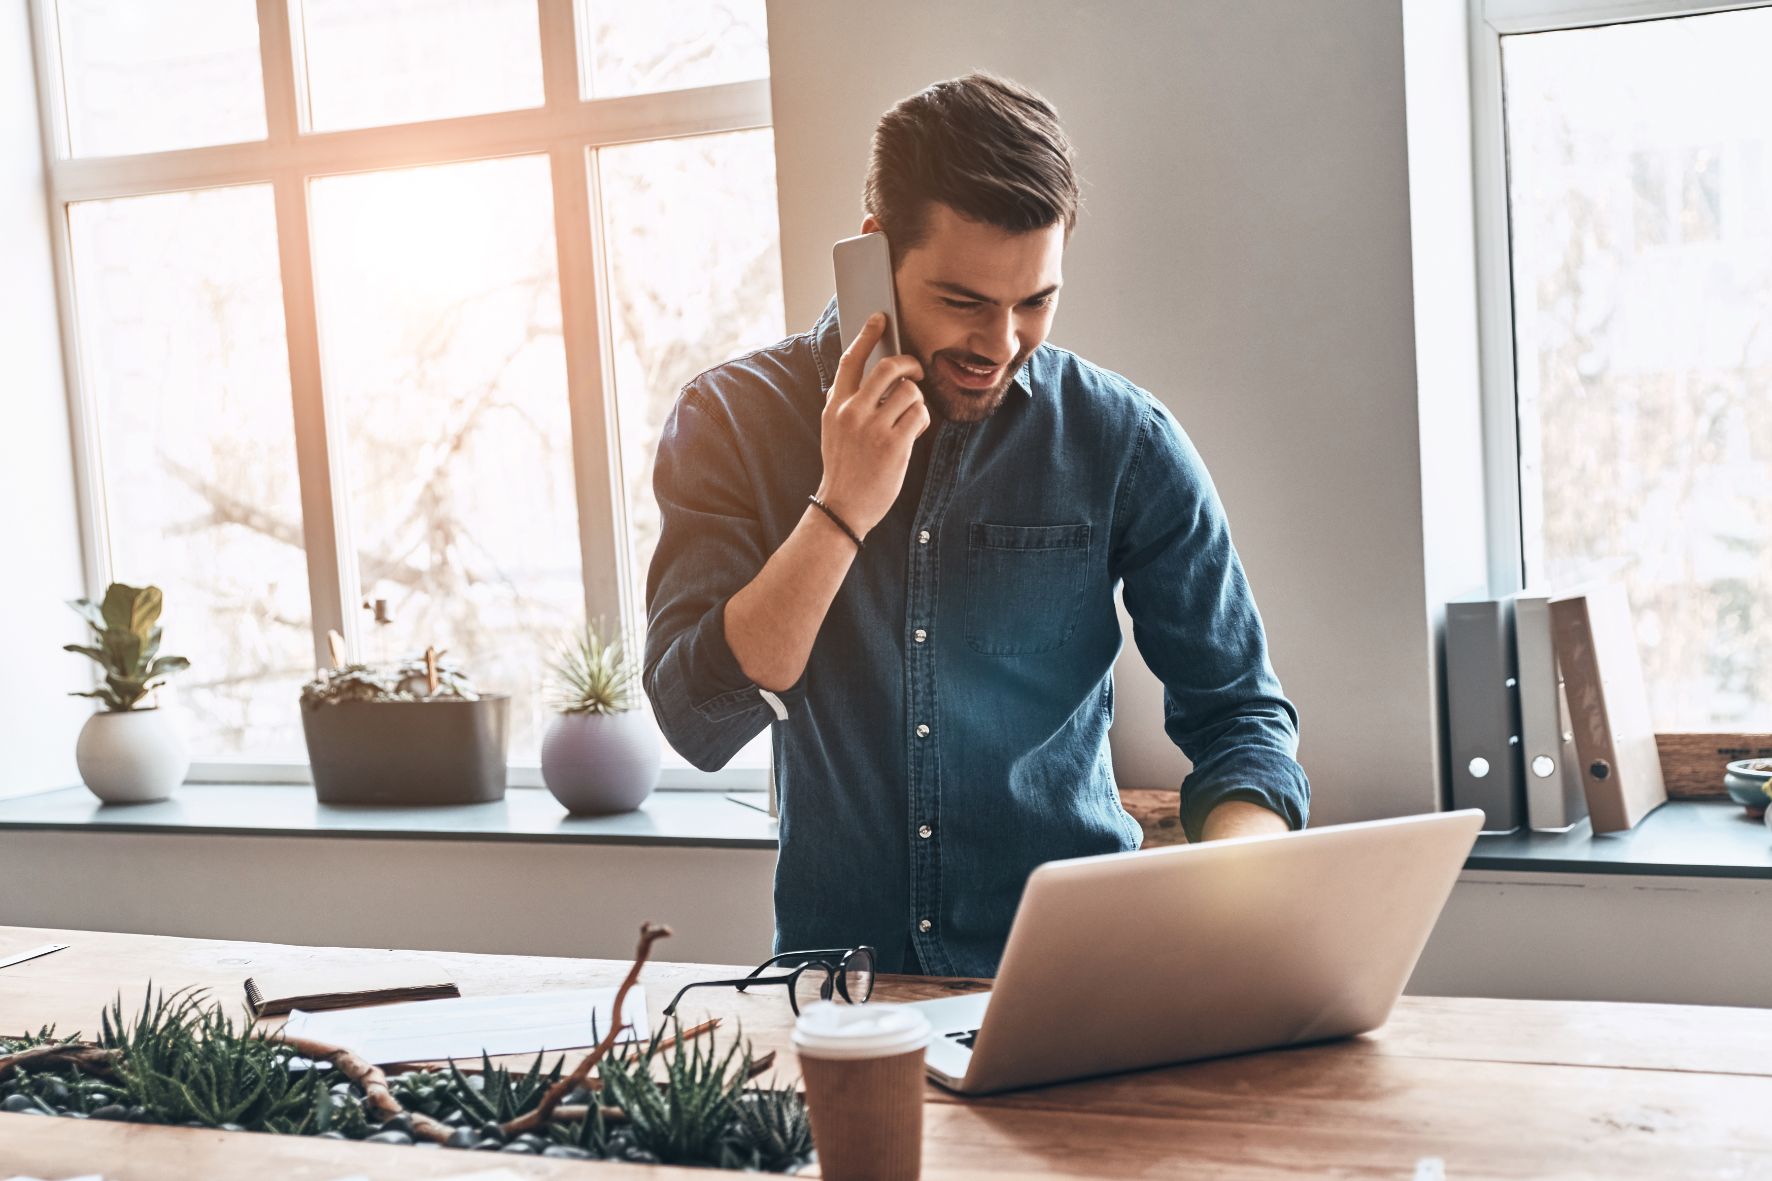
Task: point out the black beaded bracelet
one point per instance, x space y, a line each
840 523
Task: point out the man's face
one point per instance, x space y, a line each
973 303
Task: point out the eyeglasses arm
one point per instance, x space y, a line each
829 955
672 1007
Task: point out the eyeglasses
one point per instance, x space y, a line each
847 972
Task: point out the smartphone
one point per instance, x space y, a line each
864 286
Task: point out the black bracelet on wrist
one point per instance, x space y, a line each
840 523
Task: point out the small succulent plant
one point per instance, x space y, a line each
593 675
417 679
126 631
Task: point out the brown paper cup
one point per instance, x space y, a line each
867 1115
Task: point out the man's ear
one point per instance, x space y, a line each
869 225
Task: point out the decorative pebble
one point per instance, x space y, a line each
568 1152
18 1103
388 1138
114 1111
461 1138
518 1149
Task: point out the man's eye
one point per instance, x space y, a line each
1045 301
964 305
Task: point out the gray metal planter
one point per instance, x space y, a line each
440 751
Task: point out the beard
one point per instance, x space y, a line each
949 400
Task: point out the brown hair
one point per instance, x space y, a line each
986 147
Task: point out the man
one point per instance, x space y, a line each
933 640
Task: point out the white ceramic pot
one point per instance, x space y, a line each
600 763
132 756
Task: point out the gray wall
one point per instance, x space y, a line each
40 563
1244 255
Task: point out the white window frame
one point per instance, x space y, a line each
1490 20
566 128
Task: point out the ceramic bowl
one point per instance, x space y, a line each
1746 780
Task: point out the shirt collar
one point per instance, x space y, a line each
828 348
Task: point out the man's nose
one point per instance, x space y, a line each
996 339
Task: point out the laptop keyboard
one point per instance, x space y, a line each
964 1037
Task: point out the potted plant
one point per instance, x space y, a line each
128 753
413 732
601 752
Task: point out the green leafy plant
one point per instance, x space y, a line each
593 675
183 1061
405 681
126 631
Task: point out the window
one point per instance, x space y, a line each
388 300
1635 256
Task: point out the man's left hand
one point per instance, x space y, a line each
1240 818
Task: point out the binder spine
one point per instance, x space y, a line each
1550 769
1483 712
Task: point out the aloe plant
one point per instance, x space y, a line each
126 630
593 675
179 1059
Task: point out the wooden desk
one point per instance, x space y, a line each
1455 1088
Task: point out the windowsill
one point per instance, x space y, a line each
667 818
1682 838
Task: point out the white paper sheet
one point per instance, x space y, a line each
464 1027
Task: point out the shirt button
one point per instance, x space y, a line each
922 731
924 924
923 537
920 635
924 831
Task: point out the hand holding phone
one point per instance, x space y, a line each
875 411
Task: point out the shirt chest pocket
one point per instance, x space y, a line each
1024 586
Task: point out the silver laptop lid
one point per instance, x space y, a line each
1166 955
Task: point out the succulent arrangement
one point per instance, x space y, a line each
126 645
414 679
182 1061
593 675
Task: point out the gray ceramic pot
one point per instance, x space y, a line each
600 763
441 751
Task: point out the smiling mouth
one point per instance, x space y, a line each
972 377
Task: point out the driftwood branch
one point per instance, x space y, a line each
552 1098
369 1076
84 1055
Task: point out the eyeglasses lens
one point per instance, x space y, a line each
814 984
858 976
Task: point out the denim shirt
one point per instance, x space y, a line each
950 731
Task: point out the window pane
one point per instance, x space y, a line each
695 276
439 301
1642 261
153 77
180 312
631 48
375 62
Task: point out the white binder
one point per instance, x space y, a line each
1555 800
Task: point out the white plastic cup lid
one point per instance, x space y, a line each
830 1030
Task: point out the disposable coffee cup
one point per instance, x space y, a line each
863 1070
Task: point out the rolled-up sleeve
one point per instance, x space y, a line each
710 546
1195 623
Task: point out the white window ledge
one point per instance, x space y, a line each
669 818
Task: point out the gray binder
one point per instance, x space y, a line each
1483 712
1555 800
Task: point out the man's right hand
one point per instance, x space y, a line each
867 428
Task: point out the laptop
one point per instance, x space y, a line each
1160 956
